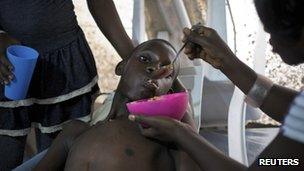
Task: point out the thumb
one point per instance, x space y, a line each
151 121
186 31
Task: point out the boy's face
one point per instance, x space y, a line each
145 74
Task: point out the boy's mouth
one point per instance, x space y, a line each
164 72
151 85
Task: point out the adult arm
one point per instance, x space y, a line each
108 21
202 152
210 47
56 155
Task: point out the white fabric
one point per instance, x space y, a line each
53 100
103 111
293 126
51 129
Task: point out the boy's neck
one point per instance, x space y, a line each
119 108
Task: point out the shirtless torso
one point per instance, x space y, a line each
117 145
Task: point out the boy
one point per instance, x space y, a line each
118 144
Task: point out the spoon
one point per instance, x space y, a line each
176 57
178 53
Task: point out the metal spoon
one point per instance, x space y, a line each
178 53
176 57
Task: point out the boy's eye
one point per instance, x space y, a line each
144 59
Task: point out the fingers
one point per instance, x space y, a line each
202 30
150 132
198 39
6 75
3 76
6 68
6 63
198 34
190 50
186 32
151 121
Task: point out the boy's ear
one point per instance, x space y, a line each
120 67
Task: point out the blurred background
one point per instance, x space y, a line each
245 20
106 57
248 35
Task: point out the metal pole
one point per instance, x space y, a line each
182 13
138 29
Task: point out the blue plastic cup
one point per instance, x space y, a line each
24 61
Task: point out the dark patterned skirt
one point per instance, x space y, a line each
62 88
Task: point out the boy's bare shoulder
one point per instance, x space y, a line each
73 130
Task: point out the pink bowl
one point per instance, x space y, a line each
169 105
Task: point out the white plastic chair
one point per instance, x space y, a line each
217 18
192 79
237 110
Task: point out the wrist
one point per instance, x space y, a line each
239 73
183 134
229 63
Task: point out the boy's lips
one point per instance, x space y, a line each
163 72
151 85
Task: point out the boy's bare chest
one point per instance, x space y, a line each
115 146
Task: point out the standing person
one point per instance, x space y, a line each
65 77
283 20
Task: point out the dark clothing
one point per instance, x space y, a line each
11 151
63 83
65 77
37 21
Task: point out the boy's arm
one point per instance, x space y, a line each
106 17
57 154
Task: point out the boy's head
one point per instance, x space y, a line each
146 73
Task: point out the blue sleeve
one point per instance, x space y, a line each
293 126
